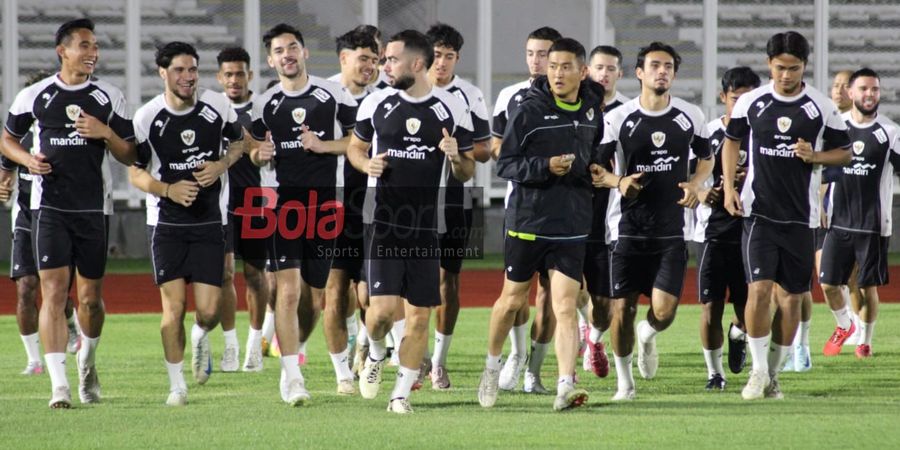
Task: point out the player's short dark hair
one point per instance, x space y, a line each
739 78
443 35
545 34
233 54
607 50
278 30
371 30
657 46
355 39
864 72
64 32
417 42
790 42
569 45
168 52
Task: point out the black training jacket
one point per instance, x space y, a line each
541 203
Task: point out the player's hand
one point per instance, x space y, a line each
562 164
6 179
598 173
733 201
690 199
209 172
804 151
449 146
710 196
266 150
377 164
310 140
90 127
629 186
37 166
183 192
739 176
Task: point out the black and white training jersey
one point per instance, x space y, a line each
658 144
861 201
21 200
474 100
507 103
243 173
780 187
172 145
715 223
600 201
80 180
354 180
326 108
408 194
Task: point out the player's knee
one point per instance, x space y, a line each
26 288
831 290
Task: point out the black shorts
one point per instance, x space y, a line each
453 242
783 253
720 271
820 237
307 251
240 247
415 278
63 239
643 265
349 250
523 258
22 263
842 249
195 253
596 268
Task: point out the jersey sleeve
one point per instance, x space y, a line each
739 124
364 128
258 127
120 118
142 123
609 142
7 164
500 118
346 110
21 113
464 133
895 149
232 129
481 126
514 163
835 134
700 143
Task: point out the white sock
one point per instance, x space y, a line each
624 377
441 347
55 364
302 348
842 317
405 380
176 376
713 361
759 352
352 326
88 350
32 344
583 314
517 336
268 327
362 337
803 333
197 334
646 332
568 379
596 334
777 352
290 367
736 333
377 349
254 339
231 339
341 365
492 362
397 331
868 329
538 353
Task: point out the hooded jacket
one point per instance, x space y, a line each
543 205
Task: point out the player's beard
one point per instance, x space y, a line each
403 82
660 91
864 111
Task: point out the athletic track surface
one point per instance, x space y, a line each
479 288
